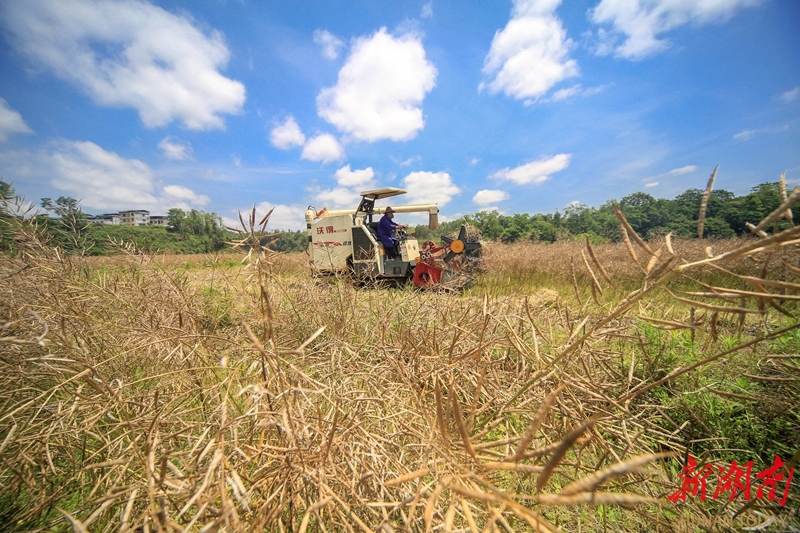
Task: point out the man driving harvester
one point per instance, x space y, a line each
386 228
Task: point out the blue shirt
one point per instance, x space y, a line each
385 230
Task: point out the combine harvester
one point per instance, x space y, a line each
345 241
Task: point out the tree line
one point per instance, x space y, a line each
65 225
727 216
196 231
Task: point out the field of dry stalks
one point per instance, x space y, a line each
560 393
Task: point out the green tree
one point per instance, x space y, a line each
7 191
542 230
290 241
70 229
64 208
489 223
769 195
175 218
679 225
607 222
688 203
717 227
739 211
517 227
581 219
637 208
196 223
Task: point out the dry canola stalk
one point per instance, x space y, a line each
317 438
704 203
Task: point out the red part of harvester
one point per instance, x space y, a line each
426 273
448 265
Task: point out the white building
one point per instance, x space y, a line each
106 218
136 217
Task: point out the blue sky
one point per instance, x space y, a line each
522 106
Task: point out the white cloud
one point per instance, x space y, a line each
790 96
474 161
529 56
323 148
102 179
490 196
410 161
337 197
290 217
287 135
175 149
430 188
683 170
651 184
535 172
746 135
380 89
129 53
237 159
563 94
602 43
354 178
641 21
427 11
178 194
349 183
106 181
11 122
574 91
330 43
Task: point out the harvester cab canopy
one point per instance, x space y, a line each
368 198
366 208
385 192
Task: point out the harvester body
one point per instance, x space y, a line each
345 241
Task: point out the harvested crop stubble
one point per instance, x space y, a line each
549 258
325 407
